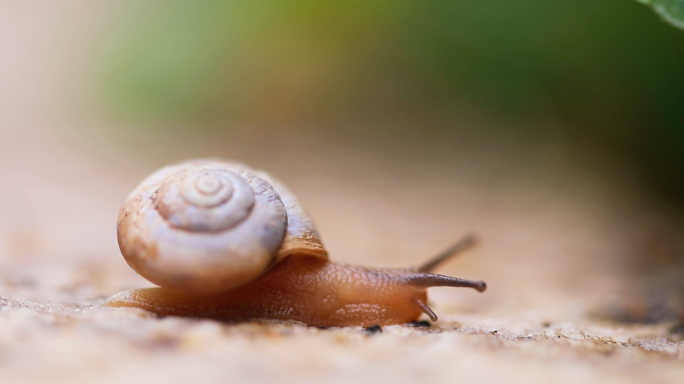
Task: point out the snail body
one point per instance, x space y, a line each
225 241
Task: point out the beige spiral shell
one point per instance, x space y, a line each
209 225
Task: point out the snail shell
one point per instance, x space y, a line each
208 225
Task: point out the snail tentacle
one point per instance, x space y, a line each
456 249
422 305
427 280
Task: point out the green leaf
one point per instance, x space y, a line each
671 10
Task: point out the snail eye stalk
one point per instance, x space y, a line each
427 280
453 251
424 279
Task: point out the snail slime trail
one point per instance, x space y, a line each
228 242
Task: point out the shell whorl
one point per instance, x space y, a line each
209 225
207 200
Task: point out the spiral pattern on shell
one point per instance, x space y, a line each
209 225
206 201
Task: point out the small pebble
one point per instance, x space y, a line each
373 329
421 323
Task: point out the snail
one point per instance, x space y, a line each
224 241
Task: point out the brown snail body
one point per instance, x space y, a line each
266 261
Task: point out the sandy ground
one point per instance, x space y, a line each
565 248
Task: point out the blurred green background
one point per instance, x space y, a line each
606 75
